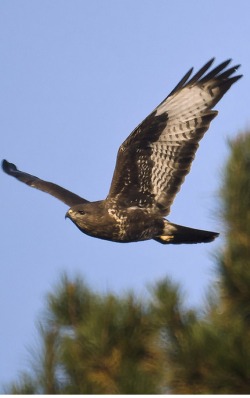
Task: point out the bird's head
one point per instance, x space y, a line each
85 216
77 214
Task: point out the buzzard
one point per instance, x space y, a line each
151 166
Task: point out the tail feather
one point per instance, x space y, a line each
178 234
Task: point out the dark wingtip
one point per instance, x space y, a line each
7 167
212 237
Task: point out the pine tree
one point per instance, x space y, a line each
94 344
235 261
212 354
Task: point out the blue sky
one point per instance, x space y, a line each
76 78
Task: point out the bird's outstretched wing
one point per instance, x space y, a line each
154 160
69 198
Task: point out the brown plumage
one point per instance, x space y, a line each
151 166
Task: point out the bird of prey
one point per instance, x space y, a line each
151 166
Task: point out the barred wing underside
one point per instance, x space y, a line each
154 160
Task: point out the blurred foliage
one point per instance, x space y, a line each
235 261
105 344
95 344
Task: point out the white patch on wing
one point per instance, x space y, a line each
173 154
131 208
186 110
190 101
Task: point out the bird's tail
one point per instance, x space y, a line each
177 234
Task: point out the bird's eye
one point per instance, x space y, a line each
82 212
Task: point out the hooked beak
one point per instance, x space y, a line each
67 215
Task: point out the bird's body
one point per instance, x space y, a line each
131 224
102 220
151 166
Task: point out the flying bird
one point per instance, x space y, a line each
151 166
